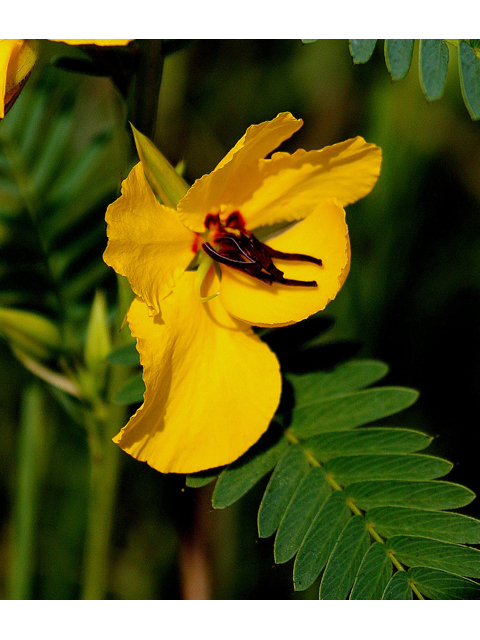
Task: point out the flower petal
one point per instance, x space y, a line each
212 386
293 184
147 242
324 235
235 178
99 43
17 59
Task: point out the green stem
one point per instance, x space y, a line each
33 454
105 460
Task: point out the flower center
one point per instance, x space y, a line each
233 245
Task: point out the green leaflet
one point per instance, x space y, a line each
416 550
440 585
373 575
349 376
301 510
349 410
398 57
437 495
469 65
398 588
361 50
320 540
240 476
288 474
370 440
449 527
433 63
348 469
345 560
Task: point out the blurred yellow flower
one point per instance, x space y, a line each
17 59
212 387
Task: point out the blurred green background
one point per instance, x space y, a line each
412 298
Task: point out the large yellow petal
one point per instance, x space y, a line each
99 43
212 386
147 242
292 185
324 235
17 59
236 176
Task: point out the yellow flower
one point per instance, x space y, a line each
17 59
212 387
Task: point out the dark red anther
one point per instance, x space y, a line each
244 252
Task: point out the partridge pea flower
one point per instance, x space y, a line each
17 59
257 242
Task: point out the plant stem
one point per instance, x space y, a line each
33 455
105 460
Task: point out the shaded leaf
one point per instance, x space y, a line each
288 474
349 410
398 588
415 550
469 65
349 376
240 476
373 575
433 64
345 560
398 57
449 527
201 478
367 440
347 469
437 495
320 540
361 50
440 585
302 509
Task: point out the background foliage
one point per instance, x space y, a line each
412 298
